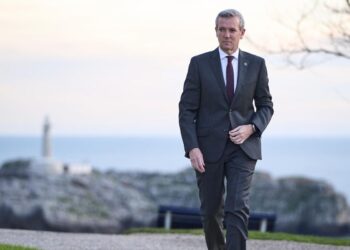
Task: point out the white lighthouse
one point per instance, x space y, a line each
48 165
46 144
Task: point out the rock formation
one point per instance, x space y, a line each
74 203
113 201
302 205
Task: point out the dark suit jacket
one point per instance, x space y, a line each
206 115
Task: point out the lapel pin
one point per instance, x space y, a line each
245 64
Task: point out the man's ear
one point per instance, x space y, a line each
242 32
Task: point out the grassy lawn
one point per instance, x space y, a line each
255 235
14 247
300 238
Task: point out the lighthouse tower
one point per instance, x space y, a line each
46 145
47 165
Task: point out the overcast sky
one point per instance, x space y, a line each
117 67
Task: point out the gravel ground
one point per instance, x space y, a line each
78 241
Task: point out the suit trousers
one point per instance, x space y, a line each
236 169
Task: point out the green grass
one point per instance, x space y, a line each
255 235
14 247
300 238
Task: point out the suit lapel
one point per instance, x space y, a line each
216 66
243 64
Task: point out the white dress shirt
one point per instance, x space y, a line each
223 60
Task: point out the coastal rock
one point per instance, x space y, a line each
113 201
72 203
302 205
178 189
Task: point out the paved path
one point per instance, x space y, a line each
78 241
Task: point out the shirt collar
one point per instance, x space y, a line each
223 54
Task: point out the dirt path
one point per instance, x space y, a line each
79 241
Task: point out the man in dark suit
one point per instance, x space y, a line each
224 108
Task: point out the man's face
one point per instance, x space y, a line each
229 33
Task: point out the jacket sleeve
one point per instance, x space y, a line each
189 106
263 101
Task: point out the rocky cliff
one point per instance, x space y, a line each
302 205
113 201
83 203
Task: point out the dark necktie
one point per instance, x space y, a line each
229 78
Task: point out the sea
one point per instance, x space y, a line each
326 159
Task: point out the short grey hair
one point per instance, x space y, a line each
230 13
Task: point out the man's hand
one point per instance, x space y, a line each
239 134
197 160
